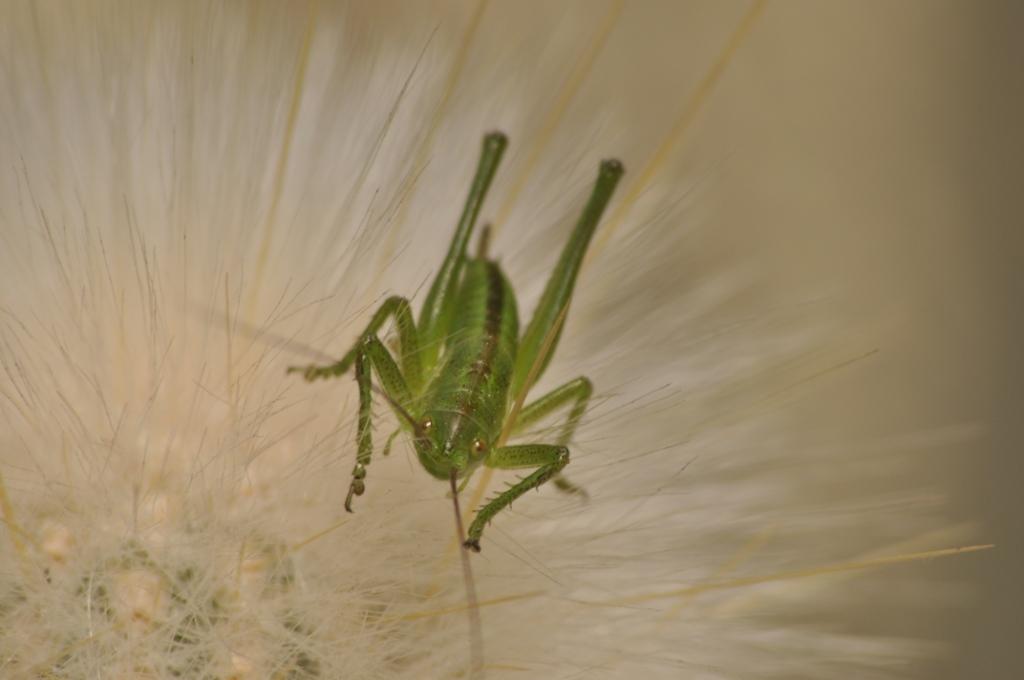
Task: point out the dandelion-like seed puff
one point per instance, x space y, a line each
194 196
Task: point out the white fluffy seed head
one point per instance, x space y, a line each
193 198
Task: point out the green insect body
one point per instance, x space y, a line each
463 366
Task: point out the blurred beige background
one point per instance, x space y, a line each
929 100
881 145
991 331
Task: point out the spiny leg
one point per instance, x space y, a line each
532 356
578 393
550 459
371 352
398 307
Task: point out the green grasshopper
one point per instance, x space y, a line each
464 370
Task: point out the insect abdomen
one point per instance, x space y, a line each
470 394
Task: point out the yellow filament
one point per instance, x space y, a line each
423 151
579 74
14 531
693 107
318 535
455 609
842 567
282 159
752 547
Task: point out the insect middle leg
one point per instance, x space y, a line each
550 459
371 352
576 392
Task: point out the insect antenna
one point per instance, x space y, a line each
400 410
476 642
259 334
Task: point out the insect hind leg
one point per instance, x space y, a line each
483 243
544 330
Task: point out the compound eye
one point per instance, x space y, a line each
479 446
427 425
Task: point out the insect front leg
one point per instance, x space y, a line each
576 392
364 436
370 352
408 337
549 460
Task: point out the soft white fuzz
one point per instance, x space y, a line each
192 194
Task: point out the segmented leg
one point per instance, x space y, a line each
578 393
550 459
408 337
535 348
371 352
364 437
439 306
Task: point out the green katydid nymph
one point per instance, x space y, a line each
464 369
